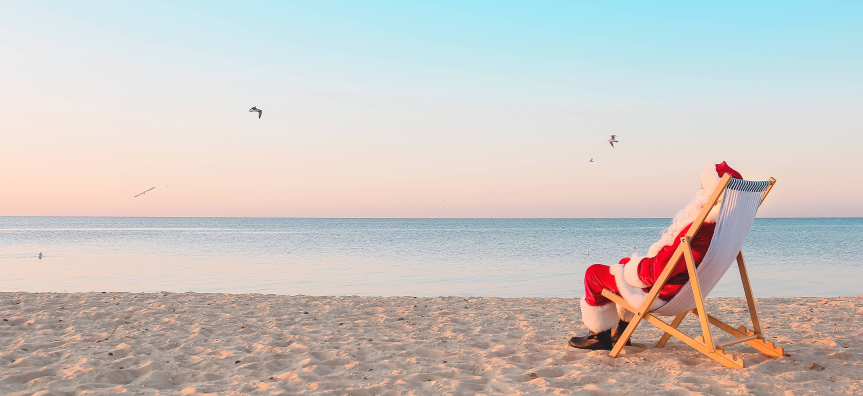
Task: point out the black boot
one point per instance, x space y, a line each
618 331
594 340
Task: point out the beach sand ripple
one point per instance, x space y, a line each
251 344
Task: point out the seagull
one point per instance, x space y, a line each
143 192
612 141
591 160
254 109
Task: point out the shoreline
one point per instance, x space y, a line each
226 344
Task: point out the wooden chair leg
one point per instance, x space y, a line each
726 359
699 298
625 336
747 289
766 347
665 337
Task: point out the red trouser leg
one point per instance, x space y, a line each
596 278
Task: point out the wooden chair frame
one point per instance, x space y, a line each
704 342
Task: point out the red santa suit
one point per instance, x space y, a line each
633 276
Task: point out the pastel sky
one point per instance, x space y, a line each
425 109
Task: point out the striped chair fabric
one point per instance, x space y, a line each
736 215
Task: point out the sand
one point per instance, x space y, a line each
227 344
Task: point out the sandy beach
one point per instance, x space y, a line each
227 344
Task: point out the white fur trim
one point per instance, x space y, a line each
630 271
633 295
600 318
709 178
664 240
709 181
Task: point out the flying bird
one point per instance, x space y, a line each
254 109
612 141
143 192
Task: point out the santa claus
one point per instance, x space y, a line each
633 277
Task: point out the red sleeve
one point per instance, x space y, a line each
649 269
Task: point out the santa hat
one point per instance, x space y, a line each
711 174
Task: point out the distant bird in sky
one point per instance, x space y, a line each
612 141
144 192
254 109
591 160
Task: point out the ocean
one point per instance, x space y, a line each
396 257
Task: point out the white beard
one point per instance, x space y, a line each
684 218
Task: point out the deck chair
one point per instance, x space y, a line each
740 201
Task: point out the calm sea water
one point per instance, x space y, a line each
417 257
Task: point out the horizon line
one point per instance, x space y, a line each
419 218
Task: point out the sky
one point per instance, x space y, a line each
425 109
